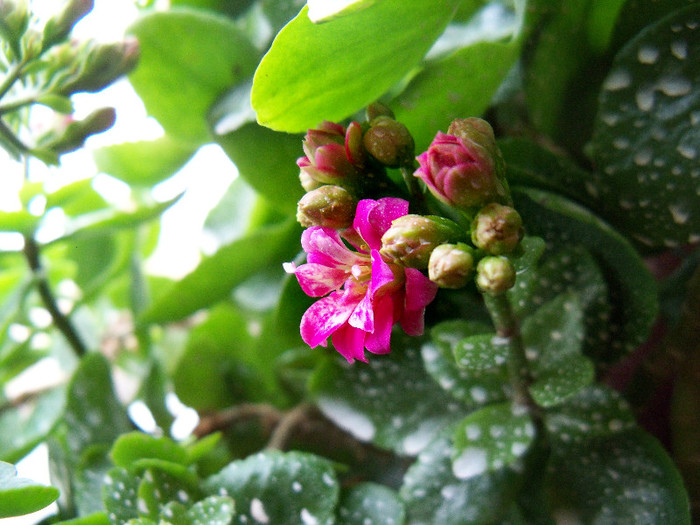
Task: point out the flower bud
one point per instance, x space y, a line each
71 134
451 265
464 168
328 206
14 18
497 229
495 275
333 156
389 142
103 64
378 109
412 238
59 27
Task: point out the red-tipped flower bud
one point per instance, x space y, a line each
411 238
464 168
495 275
451 265
389 142
328 206
497 229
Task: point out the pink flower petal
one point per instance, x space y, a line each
324 246
378 342
381 273
373 218
317 280
363 315
420 290
413 322
349 342
323 318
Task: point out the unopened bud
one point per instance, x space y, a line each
495 275
378 109
59 27
328 206
497 229
14 17
451 265
389 142
103 65
73 133
411 238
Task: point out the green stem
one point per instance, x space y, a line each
508 328
414 190
12 139
61 321
11 78
17 104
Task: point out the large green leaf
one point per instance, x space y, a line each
20 496
280 488
188 59
371 503
329 71
215 277
144 163
646 140
391 401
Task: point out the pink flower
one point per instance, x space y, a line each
363 295
461 169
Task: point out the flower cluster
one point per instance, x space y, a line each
366 254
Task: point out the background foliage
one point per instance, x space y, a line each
596 107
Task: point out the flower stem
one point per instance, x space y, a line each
417 197
508 328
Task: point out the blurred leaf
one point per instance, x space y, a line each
88 477
433 494
280 488
267 161
225 7
481 352
188 59
213 510
20 496
368 503
491 438
119 494
636 14
136 445
218 274
556 384
98 518
646 140
76 198
153 391
158 488
230 218
279 12
329 71
473 387
631 288
391 401
18 221
144 163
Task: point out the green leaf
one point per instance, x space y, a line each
119 494
18 221
492 437
98 518
475 388
371 503
280 488
329 71
556 384
218 274
144 163
76 198
93 412
433 494
481 352
267 161
554 331
214 510
19 496
136 445
88 478
646 141
626 478
390 401
188 59
631 287
158 488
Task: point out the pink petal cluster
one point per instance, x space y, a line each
362 294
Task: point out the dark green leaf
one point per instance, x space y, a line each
20 496
473 387
214 510
136 445
158 488
371 504
144 163
491 438
433 494
646 141
88 479
218 274
391 401
188 59
119 494
267 161
280 488
329 71
556 384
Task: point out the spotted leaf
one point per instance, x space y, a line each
371 504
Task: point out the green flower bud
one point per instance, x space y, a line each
495 275
14 18
102 65
411 238
378 109
72 134
451 265
328 206
59 27
497 229
389 142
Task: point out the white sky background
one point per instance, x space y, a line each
205 178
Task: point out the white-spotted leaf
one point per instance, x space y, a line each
371 504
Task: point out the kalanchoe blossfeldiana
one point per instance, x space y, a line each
451 265
497 229
329 206
495 275
464 168
334 155
362 294
389 142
